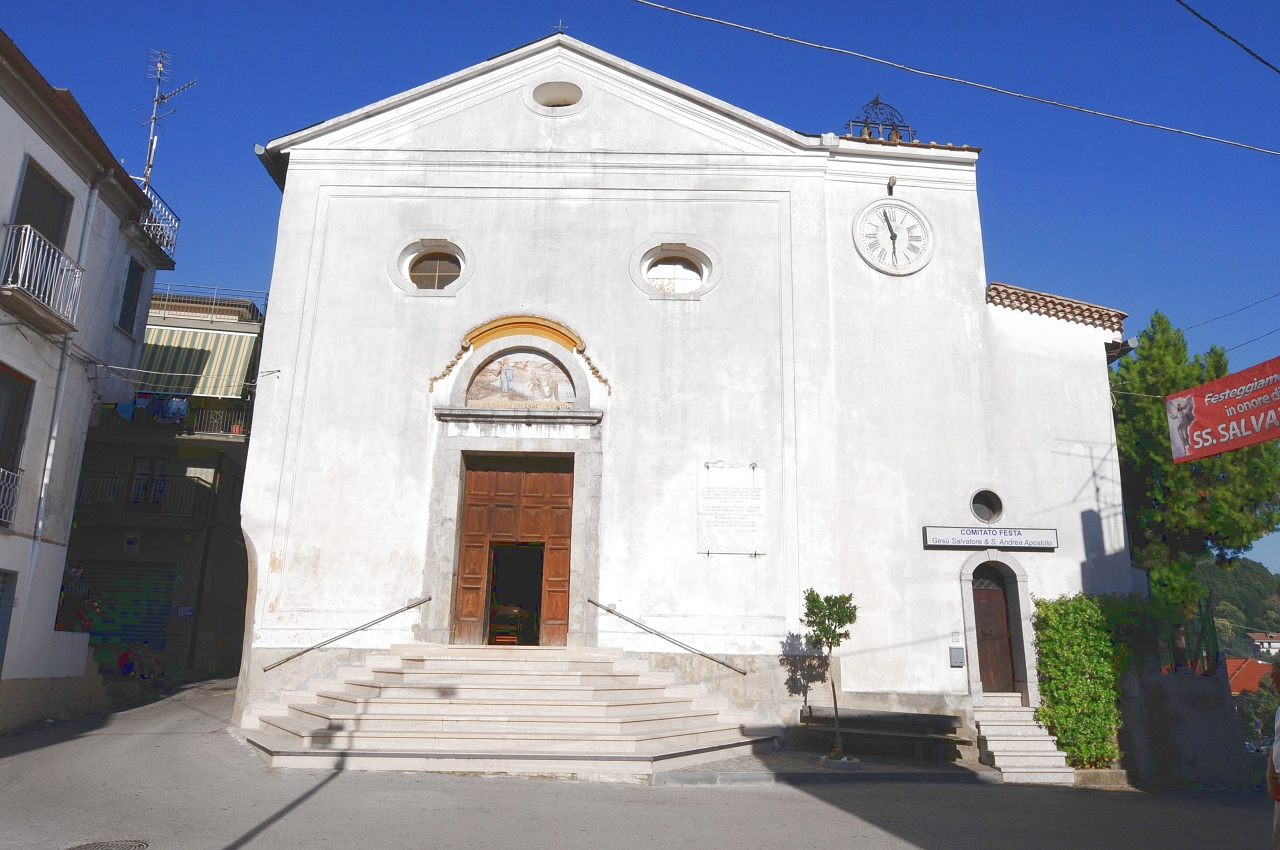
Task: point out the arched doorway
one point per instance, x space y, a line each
991 619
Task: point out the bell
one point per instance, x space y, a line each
866 130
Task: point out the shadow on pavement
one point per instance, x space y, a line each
946 815
126 694
277 816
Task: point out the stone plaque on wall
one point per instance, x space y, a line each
731 518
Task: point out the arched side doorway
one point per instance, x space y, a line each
996 600
991 617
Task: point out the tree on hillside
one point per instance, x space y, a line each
1216 506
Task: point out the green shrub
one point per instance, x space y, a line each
1258 705
1077 665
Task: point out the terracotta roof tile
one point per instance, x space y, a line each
1055 306
1246 674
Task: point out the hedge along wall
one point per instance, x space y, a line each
1075 660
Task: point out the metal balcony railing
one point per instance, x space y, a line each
33 264
160 222
10 487
138 494
205 420
207 303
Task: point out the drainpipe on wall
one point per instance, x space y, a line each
46 479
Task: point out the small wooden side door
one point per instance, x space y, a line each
995 655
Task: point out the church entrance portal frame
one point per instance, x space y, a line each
981 613
537 483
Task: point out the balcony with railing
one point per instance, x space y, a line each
206 303
230 420
140 495
38 283
221 421
10 489
160 222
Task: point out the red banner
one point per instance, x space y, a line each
1229 413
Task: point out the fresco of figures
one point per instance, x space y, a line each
522 380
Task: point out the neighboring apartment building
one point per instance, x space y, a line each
1264 643
79 248
156 554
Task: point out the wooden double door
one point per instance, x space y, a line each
514 500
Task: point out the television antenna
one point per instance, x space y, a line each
160 69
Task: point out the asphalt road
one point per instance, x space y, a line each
171 773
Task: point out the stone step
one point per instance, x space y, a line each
1019 744
323 717
1011 729
423 651
513 692
606 767
1038 776
305 734
466 676
998 715
998 760
505 707
608 665
1001 700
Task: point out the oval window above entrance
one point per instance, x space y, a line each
522 380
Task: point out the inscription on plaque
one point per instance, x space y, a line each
731 518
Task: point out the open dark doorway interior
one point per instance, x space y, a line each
515 594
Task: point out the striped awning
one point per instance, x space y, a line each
177 361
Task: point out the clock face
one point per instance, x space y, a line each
894 237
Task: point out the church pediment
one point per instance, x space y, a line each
556 95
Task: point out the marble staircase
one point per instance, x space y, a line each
1014 743
550 711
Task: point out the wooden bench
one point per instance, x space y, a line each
889 732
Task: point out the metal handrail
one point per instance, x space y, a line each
347 632
684 646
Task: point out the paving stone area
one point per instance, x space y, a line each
789 766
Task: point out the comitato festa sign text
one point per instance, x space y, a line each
1229 413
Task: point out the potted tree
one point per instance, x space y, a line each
827 618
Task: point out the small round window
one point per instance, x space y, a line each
557 93
674 275
435 270
986 506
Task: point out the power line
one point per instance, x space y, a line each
1255 339
959 80
1220 31
1232 313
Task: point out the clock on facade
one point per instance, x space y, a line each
893 236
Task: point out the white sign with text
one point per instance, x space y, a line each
986 537
731 516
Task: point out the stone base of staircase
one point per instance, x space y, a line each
579 713
1011 741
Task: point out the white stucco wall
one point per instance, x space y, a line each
33 649
872 405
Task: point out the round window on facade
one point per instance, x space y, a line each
986 506
674 275
435 270
556 94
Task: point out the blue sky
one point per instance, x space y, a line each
1123 216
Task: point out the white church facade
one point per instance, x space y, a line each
556 331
